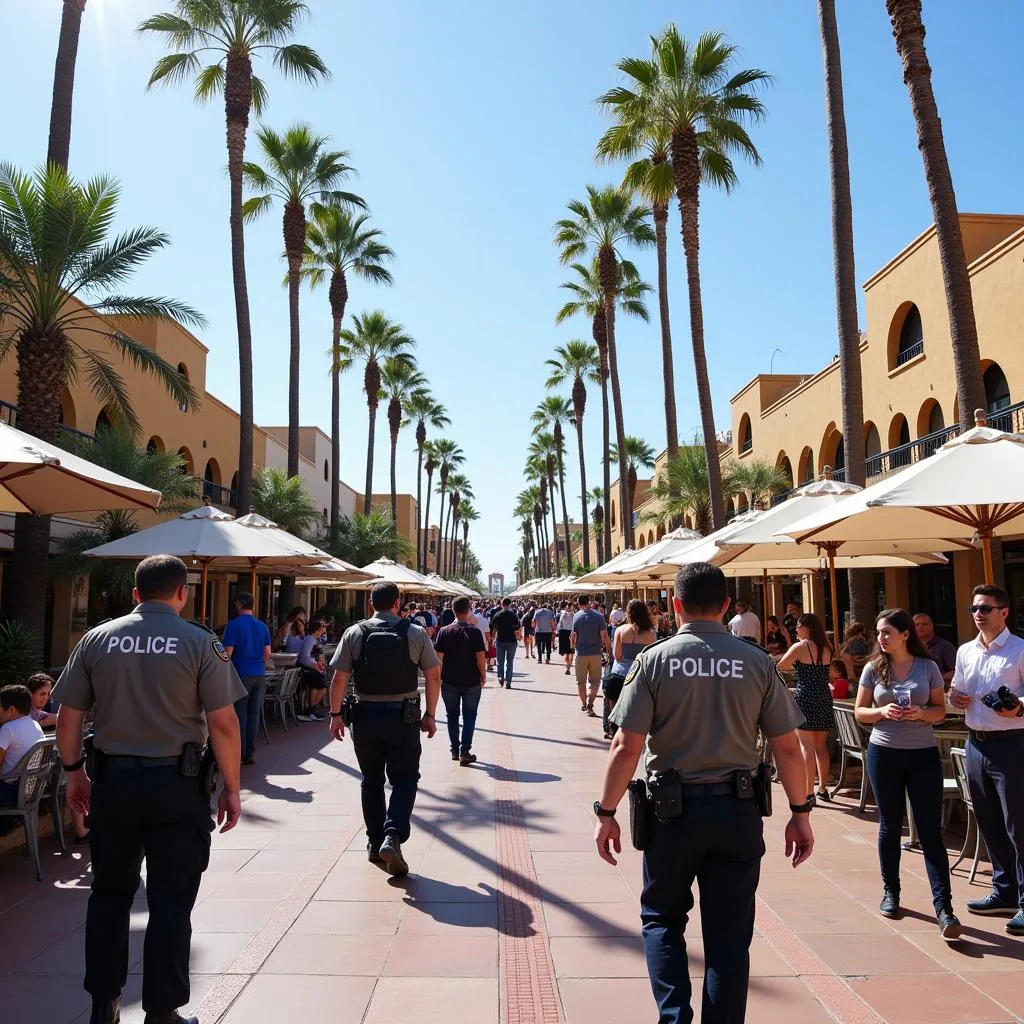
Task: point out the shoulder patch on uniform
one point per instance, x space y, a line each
218 649
633 670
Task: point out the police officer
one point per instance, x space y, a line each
698 698
383 656
158 685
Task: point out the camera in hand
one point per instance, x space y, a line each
1003 699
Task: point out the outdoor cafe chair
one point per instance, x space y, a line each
852 747
31 774
282 698
55 794
959 758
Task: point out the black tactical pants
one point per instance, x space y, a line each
150 812
385 745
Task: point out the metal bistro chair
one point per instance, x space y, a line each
959 758
31 773
55 794
852 747
283 699
945 738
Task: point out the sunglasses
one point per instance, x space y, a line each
984 609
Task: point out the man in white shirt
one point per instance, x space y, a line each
745 623
18 733
484 625
995 749
616 616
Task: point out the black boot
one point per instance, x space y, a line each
106 1011
170 1018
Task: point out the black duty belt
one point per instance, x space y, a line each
707 790
984 735
125 761
386 703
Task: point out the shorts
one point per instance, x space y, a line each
564 641
313 680
588 667
528 630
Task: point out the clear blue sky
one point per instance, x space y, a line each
471 125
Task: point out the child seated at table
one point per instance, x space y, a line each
40 686
838 679
18 733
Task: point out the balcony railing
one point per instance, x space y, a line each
9 415
910 352
222 496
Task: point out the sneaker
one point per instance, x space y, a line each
318 716
373 853
391 854
1015 926
993 905
566 671
890 905
949 925
591 711
508 686
467 759
307 717
583 708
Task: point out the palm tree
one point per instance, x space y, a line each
543 458
285 500
458 488
117 451
58 150
577 361
421 408
372 339
759 480
552 412
596 498
850 382
430 462
682 488
536 468
526 501
646 142
468 514
234 32
692 93
56 255
299 170
908 30
338 243
400 380
363 539
598 228
449 456
639 455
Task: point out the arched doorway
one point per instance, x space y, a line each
997 397
103 420
899 437
872 450
188 467
806 466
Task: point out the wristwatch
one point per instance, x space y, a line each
804 808
601 812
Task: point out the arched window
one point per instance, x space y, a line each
907 334
872 442
746 437
930 419
327 470
189 466
211 481
154 444
782 463
67 410
183 370
997 390
899 436
613 513
806 468
839 457
103 420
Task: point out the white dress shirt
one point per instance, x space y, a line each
746 624
980 670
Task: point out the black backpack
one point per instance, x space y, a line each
384 667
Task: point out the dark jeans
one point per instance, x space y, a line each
506 655
543 645
898 775
995 771
612 687
719 843
156 813
385 745
249 709
468 699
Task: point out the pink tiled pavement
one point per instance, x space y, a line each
508 914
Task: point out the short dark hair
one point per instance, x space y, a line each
383 596
743 605
505 602
159 577
245 601
583 599
839 666
701 588
17 697
37 681
997 594
460 605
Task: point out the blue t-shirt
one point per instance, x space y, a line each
247 636
588 627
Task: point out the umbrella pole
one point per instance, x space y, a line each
986 555
764 596
252 587
202 599
836 632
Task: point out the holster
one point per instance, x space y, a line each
208 771
190 760
348 709
666 793
763 789
411 711
640 814
89 746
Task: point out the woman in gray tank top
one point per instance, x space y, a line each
631 637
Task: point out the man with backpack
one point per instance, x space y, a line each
383 656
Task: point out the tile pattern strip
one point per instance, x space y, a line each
529 992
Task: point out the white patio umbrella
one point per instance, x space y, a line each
332 574
384 570
971 487
41 479
207 535
629 569
605 573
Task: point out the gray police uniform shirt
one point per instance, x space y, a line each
700 697
150 676
421 653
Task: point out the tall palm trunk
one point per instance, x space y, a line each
371 385
426 521
583 482
294 243
453 555
58 149
667 367
442 555
851 384
465 546
686 168
601 337
549 466
599 521
908 30
237 103
421 437
538 518
395 425
338 296
559 444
